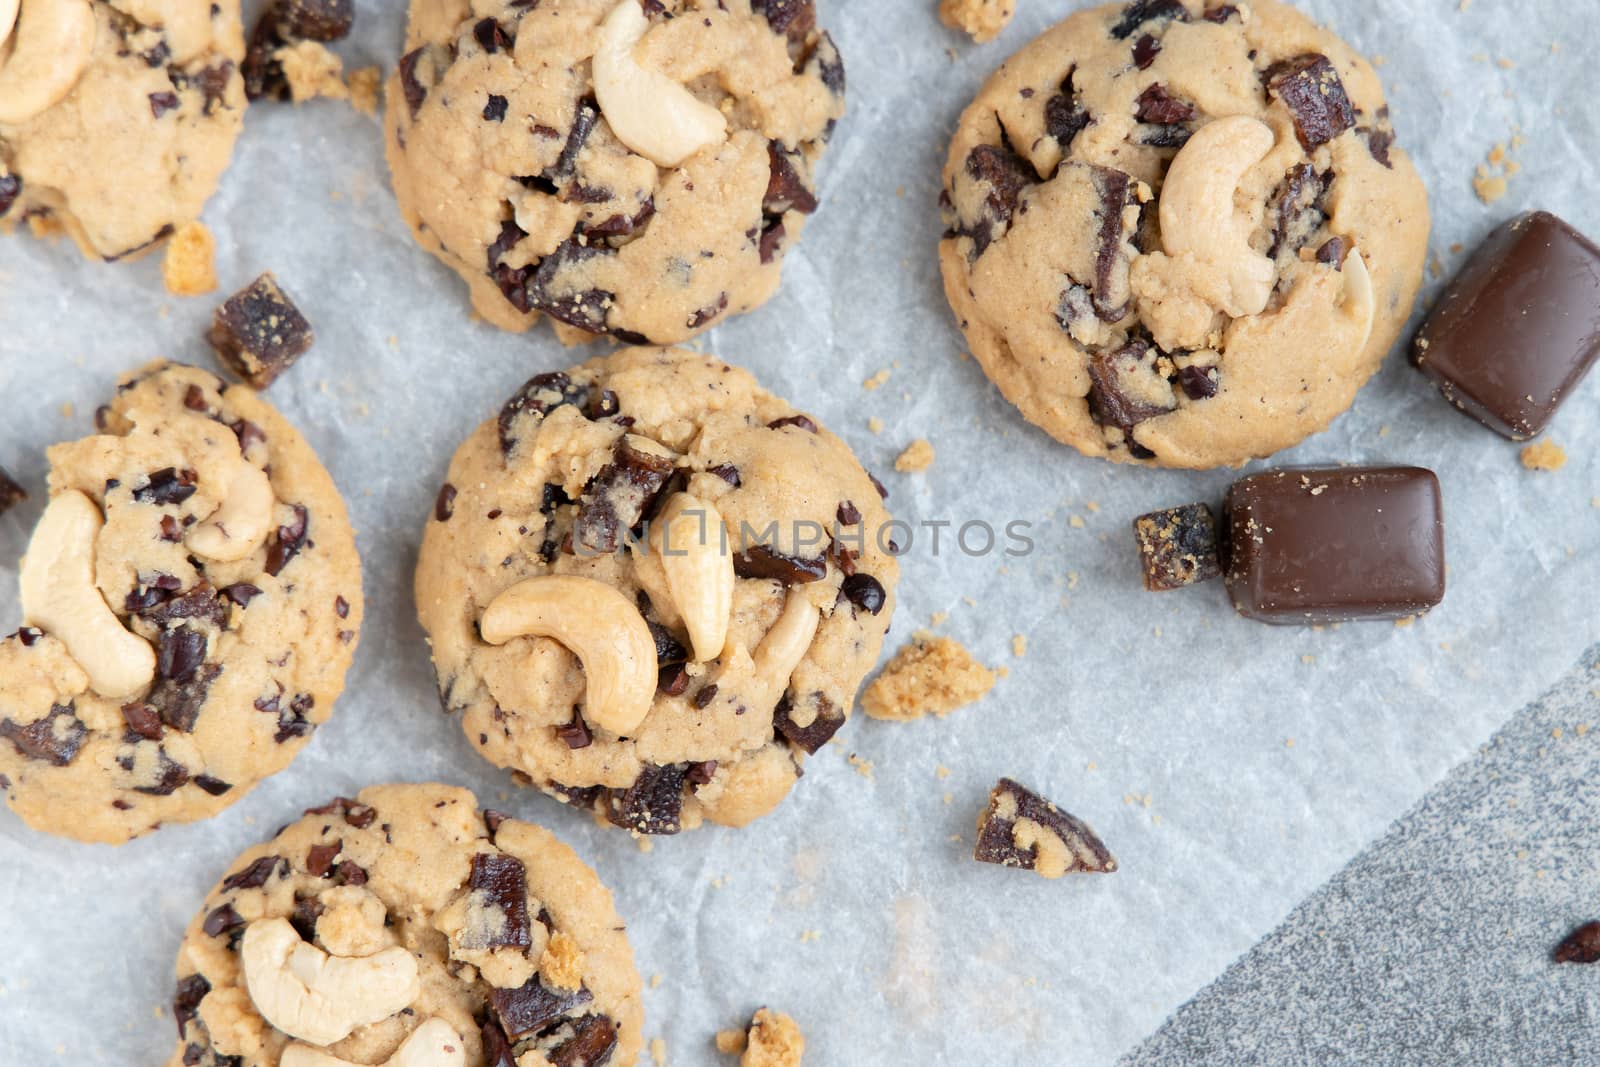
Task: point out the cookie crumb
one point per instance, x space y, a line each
311 70
730 1042
930 675
189 266
562 963
917 457
863 766
1178 547
982 20
1544 456
1489 181
1021 829
366 86
877 380
774 1040
1019 645
875 424
658 1051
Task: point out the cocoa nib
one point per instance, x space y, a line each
1141 12
287 542
760 561
865 592
812 736
532 1008
1580 946
1178 547
1007 175
500 884
1112 290
786 189
652 804
617 497
1310 87
1126 388
166 486
1008 804
540 395
594 1037
54 739
259 333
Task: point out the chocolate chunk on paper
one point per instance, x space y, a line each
1022 829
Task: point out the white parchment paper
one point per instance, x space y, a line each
1230 767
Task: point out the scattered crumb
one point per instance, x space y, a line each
655 981
1544 456
941 772
863 766
931 674
312 71
189 267
1092 506
1489 181
1075 521
1019 645
877 380
1506 64
561 965
918 456
644 843
810 935
366 85
1308 659
939 618
1581 729
658 1051
982 20
1556 732
774 1040
950 798
1405 623
730 1041
875 424
68 411
1288 742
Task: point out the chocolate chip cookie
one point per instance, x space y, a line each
407 927
1180 233
190 600
116 118
630 168
652 588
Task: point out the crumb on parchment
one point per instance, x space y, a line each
189 265
918 456
930 675
982 20
366 86
1544 456
312 71
774 1040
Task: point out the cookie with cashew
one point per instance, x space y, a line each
652 589
1179 233
629 168
404 927
189 600
117 117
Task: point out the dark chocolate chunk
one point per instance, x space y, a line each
1075 849
314 20
166 486
319 859
865 592
1126 388
1112 290
760 561
258 333
1318 546
1064 114
704 696
179 702
353 812
539 395
503 884
812 736
1310 87
1178 547
192 989
594 1037
307 910
411 84
1580 946
1221 14
701 773
445 503
1007 175
161 103
1299 208
287 541
652 804
11 494
491 36
497 1050
10 191
156 605
257 874
794 19
1141 12
241 593
617 498
786 190
1157 105
803 422
222 920
668 648
1518 328
170 774
494 110
143 720
672 680
54 739
1199 383
180 653
531 1008
215 786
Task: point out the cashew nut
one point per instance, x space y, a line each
600 626
241 522
55 39
1358 301
8 19
319 998
688 535
59 596
1197 211
648 111
433 1044
785 645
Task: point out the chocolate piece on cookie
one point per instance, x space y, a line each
1178 547
259 333
1021 829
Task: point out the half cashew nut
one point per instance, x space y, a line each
241 522
1358 301
688 536
316 997
785 645
1197 212
648 111
8 19
433 1044
55 39
59 596
600 626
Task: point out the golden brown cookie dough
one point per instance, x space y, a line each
982 20
1180 234
406 919
931 675
191 600
663 179
652 587
774 1040
117 117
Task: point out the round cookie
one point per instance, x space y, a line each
1180 234
652 588
407 919
631 168
117 117
191 599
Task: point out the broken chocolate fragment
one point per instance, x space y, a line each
1112 289
865 592
1141 12
54 739
809 738
241 593
1299 207
1580 946
1157 105
215 786
257 874
314 20
491 36
786 190
1519 327
11 494
539 395
593 1040
1022 829
222 920
10 191
287 541
652 804
179 702
794 19
192 989
1145 50
354 813
760 561
532 1007
1126 389
319 859
497 1050
166 486
1178 547
618 497
1007 175
143 721
259 333
575 733
804 422
494 110
1343 544
1310 88
1064 114
500 883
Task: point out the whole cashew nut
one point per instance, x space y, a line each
8 19
59 596
433 1044
1197 213
688 535
241 522
319 998
648 111
55 39
600 626
785 645
1358 301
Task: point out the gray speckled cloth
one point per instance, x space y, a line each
1433 946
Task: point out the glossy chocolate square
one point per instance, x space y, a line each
1337 545
1518 328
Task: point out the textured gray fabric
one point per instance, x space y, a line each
1433 946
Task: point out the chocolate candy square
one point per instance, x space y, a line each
1518 328
259 333
1177 547
1316 546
